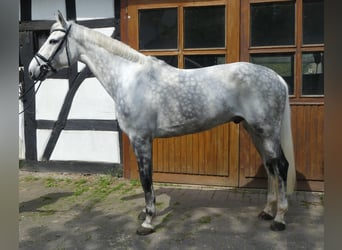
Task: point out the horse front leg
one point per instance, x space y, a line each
143 152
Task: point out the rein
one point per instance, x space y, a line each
23 95
44 68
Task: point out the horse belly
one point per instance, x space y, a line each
206 118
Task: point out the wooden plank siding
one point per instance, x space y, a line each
206 153
307 130
210 157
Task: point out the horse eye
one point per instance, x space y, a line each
53 41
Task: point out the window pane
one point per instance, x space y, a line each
272 24
313 22
204 27
281 63
158 29
313 74
171 60
199 61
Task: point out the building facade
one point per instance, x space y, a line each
285 35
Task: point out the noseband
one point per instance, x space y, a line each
44 68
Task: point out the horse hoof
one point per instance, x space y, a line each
142 216
265 216
144 231
278 226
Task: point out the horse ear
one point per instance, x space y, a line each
62 20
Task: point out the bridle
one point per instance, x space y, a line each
44 68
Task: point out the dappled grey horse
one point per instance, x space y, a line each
154 100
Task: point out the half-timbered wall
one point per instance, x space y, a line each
89 131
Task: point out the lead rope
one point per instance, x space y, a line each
23 95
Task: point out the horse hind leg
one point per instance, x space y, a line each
280 167
268 213
276 167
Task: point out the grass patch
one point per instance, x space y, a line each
204 220
30 178
135 183
46 212
51 182
159 204
118 187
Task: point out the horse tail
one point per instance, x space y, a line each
287 146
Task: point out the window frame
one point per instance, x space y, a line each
230 50
297 49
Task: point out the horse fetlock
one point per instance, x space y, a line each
265 216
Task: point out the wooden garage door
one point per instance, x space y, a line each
288 37
188 34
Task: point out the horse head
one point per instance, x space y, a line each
54 53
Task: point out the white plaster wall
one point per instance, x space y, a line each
90 9
50 98
92 146
47 9
85 9
91 101
21 133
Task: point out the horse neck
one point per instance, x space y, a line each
107 58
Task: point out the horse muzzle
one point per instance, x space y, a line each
38 72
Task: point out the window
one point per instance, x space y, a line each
199 32
287 36
313 21
312 73
184 35
272 24
158 29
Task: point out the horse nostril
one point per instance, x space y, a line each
31 75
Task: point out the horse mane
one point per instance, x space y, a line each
112 45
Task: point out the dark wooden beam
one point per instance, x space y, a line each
115 169
37 25
82 124
70 9
63 115
25 10
26 54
